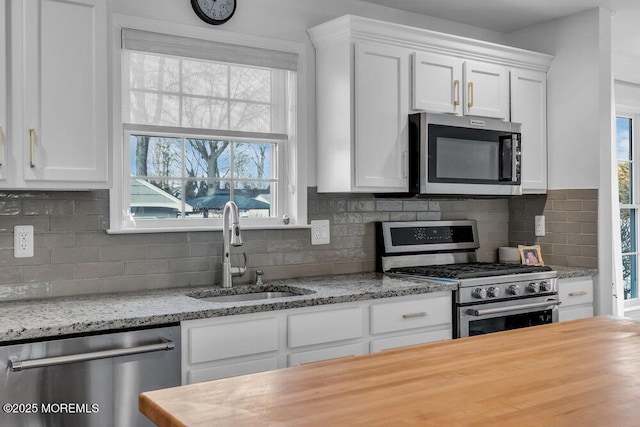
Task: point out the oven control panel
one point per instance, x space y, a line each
499 291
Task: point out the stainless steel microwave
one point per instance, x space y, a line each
463 155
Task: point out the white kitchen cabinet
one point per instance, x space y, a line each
381 116
576 298
437 82
362 111
323 327
448 84
529 107
365 88
417 320
240 344
486 90
414 313
228 346
58 137
327 353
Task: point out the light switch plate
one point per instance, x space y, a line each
320 234
539 226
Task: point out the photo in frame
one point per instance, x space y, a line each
530 255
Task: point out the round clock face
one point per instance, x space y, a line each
214 11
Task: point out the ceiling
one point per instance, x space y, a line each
506 16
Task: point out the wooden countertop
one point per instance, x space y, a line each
579 373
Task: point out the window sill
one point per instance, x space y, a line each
202 228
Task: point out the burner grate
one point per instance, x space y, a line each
470 270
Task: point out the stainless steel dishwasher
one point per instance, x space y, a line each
89 380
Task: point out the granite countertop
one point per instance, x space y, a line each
570 272
34 319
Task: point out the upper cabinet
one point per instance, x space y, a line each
446 84
529 107
486 90
58 134
371 74
437 83
381 114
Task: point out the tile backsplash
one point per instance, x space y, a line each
74 255
571 222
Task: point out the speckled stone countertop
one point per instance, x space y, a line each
571 272
34 319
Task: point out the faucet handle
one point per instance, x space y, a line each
259 274
239 271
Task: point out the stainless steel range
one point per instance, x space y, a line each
491 297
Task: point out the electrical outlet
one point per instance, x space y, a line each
23 241
320 232
539 226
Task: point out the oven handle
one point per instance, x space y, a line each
474 312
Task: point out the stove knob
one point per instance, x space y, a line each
533 287
494 292
479 293
514 290
545 286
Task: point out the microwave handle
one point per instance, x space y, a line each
509 158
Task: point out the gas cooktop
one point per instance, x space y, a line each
469 270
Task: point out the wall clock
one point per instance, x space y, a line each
214 12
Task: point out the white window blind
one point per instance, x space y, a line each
167 44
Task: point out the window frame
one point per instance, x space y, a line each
634 206
292 178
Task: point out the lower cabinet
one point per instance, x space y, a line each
242 344
576 298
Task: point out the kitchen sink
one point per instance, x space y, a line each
250 297
251 293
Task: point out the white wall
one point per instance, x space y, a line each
573 99
288 20
580 120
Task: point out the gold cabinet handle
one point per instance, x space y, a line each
470 86
411 315
456 87
32 148
578 294
1 146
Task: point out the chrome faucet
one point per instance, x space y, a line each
235 239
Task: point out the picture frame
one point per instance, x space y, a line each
530 255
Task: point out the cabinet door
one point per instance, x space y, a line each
381 109
64 99
486 90
3 92
436 83
529 107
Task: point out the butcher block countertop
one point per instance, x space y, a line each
580 373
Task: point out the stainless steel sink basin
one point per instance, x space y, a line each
250 293
250 297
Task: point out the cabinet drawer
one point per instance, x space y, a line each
575 313
398 316
220 341
413 339
232 370
324 326
326 354
575 291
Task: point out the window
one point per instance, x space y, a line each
203 123
628 199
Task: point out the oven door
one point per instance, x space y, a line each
478 319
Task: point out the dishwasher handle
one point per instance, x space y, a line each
21 365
